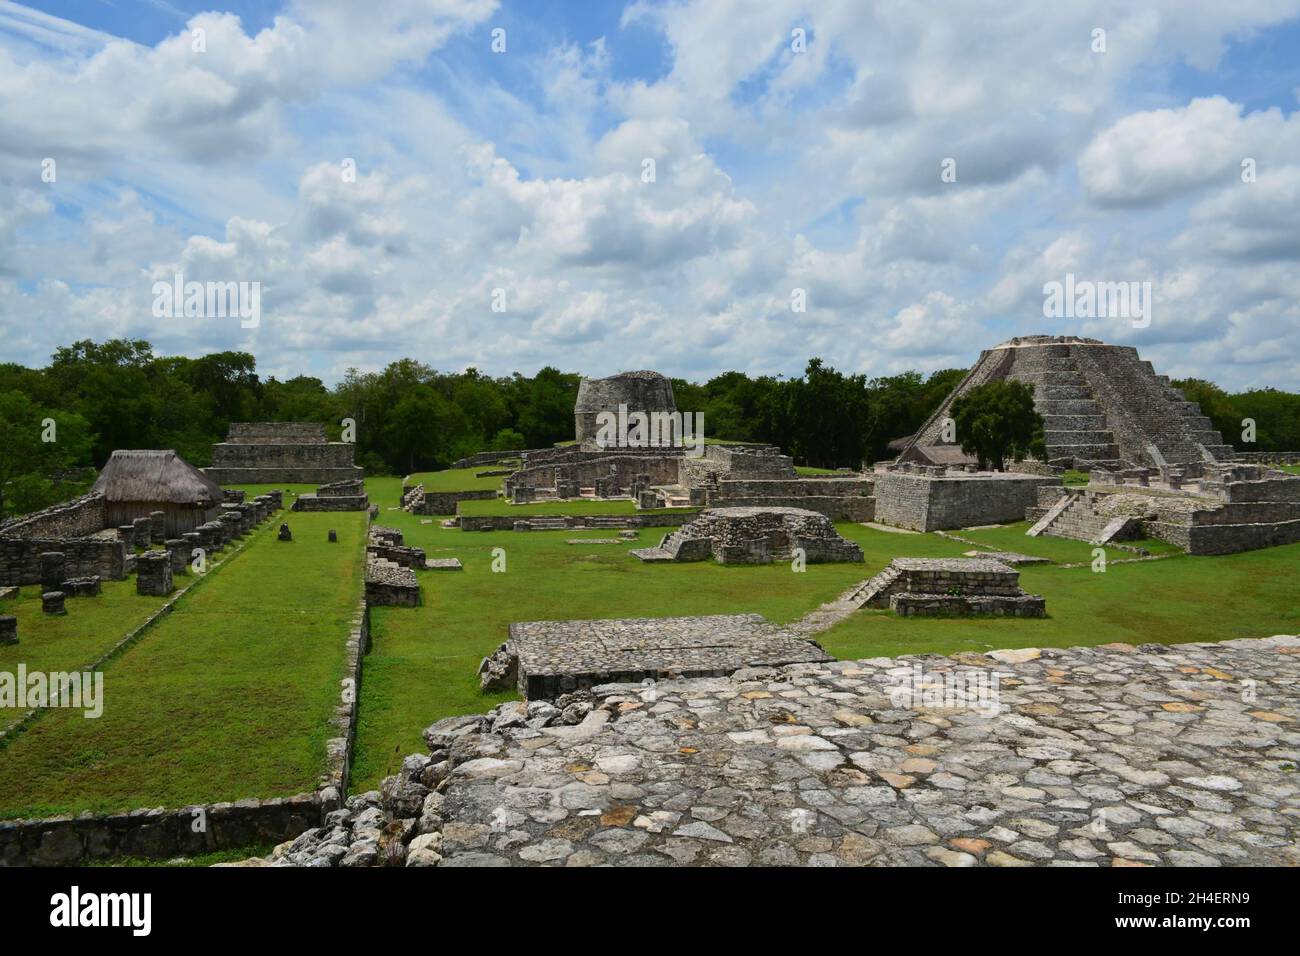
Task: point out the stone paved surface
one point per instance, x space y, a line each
1103 756
556 657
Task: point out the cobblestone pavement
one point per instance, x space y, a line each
1180 755
1156 755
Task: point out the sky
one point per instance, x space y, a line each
693 187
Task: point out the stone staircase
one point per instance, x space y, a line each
1075 517
1074 422
874 592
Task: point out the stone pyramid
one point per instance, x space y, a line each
1102 406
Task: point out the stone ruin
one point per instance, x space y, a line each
8 629
935 498
932 587
1210 508
642 391
387 543
153 574
347 495
1102 407
754 536
280 452
546 659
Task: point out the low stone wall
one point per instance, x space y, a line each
444 502
487 458
157 833
331 503
77 518
20 559
836 508
661 518
923 502
1224 538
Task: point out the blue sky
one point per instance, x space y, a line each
776 170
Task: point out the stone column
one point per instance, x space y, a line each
234 525
192 540
143 532
127 531
52 602
157 527
53 565
178 551
153 573
8 629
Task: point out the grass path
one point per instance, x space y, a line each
227 697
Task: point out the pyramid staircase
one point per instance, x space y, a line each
1074 422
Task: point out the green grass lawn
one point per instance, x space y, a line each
227 697
73 641
809 471
456 479
1252 594
1293 469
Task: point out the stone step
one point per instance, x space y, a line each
1052 514
1067 406
1072 378
1057 438
1062 393
1071 422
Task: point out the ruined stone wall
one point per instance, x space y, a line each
929 503
20 558
663 467
69 519
444 502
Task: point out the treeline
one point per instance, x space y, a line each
410 417
1275 415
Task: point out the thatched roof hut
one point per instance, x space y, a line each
137 482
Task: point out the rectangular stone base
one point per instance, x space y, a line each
556 657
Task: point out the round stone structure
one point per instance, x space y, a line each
641 391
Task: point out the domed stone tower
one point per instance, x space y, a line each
640 391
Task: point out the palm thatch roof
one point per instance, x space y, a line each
155 475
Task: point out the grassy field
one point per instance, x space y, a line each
226 697
423 662
457 479
73 641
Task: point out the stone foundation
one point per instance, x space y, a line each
556 657
754 536
389 584
930 501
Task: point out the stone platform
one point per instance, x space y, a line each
745 535
1156 755
556 657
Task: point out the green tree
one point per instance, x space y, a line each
997 421
36 445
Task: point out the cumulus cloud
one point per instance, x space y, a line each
773 170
